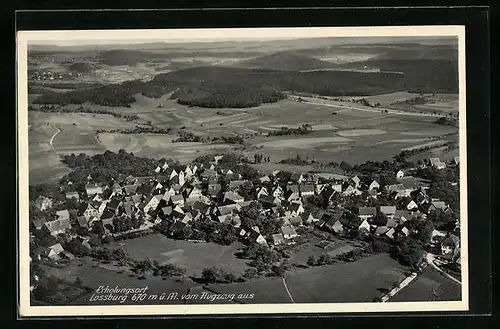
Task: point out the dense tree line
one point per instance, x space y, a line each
302 130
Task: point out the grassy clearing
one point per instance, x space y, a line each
193 256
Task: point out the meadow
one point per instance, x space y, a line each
193 256
429 286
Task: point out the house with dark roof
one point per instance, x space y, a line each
214 190
256 237
130 189
57 226
144 180
296 209
201 207
269 201
402 216
145 189
407 204
177 200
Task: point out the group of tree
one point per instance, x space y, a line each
105 167
297 161
259 158
302 130
217 275
189 137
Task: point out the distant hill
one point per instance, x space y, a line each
285 61
421 75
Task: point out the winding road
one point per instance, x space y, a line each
431 260
376 110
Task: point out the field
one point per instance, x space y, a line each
52 135
355 133
193 256
430 286
360 281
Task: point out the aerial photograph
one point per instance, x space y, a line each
252 171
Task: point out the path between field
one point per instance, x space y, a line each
288 291
378 110
430 260
54 136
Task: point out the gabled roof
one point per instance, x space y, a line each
439 204
381 230
236 183
62 214
268 199
38 223
278 238
83 221
58 225
130 189
113 204
451 240
143 179
176 198
295 206
307 188
295 220
144 189
232 196
395 187
388 210
57 248
288 230
177 226
200 206
367 211
107 214
136 198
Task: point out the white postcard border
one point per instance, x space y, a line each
200 35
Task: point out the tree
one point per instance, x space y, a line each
282 268
217 275
78 282
311 261
345 166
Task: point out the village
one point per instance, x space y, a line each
176 201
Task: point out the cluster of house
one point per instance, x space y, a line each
437 163
179 197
